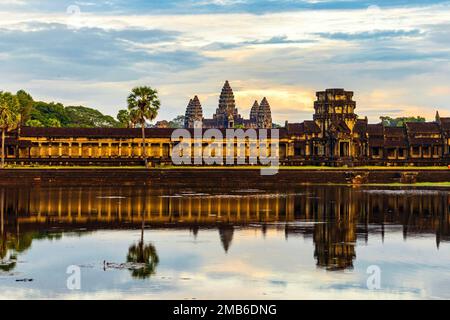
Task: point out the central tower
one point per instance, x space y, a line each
226 113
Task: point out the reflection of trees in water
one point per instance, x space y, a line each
144 256
140 253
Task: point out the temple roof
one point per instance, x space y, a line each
423 127
115 133
395 131
306 127
445 124
375 129
94 132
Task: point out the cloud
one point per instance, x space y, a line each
371 35
285 49
55 50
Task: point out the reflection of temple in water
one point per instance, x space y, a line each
336 218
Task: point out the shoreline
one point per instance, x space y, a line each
234 176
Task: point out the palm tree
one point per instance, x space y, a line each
9 117
143 103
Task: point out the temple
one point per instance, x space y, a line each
336 136
227 114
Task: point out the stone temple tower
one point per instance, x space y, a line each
194 113
334 106
336 118
226 113
264 115
254 112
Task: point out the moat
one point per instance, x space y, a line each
299 242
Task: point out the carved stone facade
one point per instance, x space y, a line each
194 113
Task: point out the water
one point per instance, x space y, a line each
312 242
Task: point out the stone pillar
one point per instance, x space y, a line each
50 150
70 149
60 150
130 149
109 150
161 150
100 150
90 150
80 149
120 149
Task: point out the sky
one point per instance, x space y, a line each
393 54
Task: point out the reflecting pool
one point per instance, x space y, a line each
310 242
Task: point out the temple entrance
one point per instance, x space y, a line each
344 149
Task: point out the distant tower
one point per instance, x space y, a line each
194 113
226 113
254 112
264 115
438 117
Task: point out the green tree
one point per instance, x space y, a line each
400 121
9 117
83 117
124 118
54 123
177 123
26 103
34 123
44 111
144 102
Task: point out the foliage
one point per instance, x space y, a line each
399 122
145 255
9 118
34 123
143 104
9 111
88 118
177 122
123 116
53 114
26 103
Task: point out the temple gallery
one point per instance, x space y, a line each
335 136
